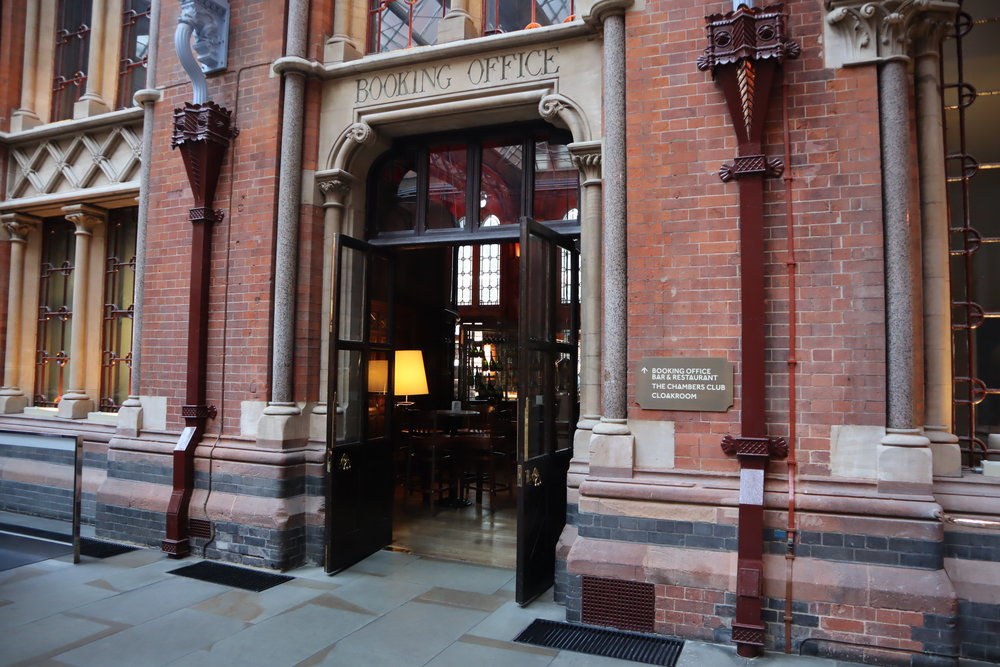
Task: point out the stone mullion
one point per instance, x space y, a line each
18 226
93 102
27 115
75 403
947 455
341 47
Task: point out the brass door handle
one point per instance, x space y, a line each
345 462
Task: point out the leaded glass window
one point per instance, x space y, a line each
73 21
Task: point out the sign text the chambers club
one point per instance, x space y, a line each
675 383
484 71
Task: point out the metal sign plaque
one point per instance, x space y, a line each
675 383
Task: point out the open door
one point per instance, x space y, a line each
359 405
547 398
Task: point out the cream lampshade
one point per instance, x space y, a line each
409 378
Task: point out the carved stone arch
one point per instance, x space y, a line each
350 140
559 107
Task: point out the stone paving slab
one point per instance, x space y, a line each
393 609
158 642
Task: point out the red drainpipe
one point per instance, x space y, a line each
202 132
745 50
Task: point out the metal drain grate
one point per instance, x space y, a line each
633 646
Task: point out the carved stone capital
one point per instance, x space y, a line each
588 159
19 225
334 185
864 31
85 217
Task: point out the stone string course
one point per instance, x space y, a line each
879 550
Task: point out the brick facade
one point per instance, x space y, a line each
875 575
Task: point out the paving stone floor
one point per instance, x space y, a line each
392 609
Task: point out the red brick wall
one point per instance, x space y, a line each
684 297
243 243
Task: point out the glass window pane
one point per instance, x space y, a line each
489 274
501 182
378 386
351 409
399 24
350 303
509 15
379 288
465 275
446 186
134 48
557 183
72 50
55 311
119 284
396 195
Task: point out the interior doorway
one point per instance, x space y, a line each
455 445
466 456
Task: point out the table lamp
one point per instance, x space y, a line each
409 378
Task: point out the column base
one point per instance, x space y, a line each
317 422
905 463
456 26
23 119
946 452
75 405
612 449
282 426
340 50
89 105
582 436
130 417
12 401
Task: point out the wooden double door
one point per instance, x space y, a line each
359 448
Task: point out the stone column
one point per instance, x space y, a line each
279 423
863 32
904 458
26 116
457 24
18 226
92 102
335 187
340 47
946 452
587 158
130 413
612 447
75 403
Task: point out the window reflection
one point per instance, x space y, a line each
509 15
401 24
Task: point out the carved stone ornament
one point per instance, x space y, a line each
589 165
747 34
361 133
84 217
861 31
335 189
18 226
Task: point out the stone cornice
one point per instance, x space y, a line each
861 32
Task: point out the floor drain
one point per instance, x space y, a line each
652 650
